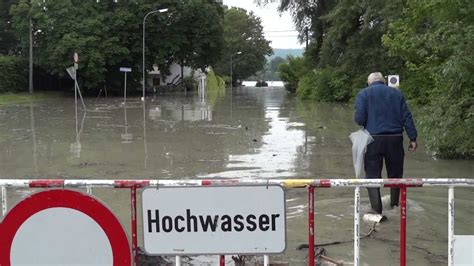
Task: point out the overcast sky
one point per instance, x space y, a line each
272 21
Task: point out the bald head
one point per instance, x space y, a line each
374 77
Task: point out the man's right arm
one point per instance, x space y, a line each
360 115
409 125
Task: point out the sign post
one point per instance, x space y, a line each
125 70
72 71
214 220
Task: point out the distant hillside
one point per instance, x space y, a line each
286 52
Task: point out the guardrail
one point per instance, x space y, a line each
310 184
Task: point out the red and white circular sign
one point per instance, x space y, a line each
62 227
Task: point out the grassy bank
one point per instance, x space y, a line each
24 98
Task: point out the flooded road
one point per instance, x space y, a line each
253 132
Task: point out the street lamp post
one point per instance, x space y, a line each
143 48
30 75
231 67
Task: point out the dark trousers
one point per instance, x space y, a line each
390 149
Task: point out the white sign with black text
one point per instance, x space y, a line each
214 220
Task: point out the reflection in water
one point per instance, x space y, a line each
277 154
75 148
33 136
126 137
145 148
199 111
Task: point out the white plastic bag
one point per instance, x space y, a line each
360 139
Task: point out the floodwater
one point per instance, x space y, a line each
253 132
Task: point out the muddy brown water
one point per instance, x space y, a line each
256 133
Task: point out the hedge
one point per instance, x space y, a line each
13 73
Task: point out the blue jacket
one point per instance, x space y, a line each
383 110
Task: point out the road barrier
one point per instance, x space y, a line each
310 184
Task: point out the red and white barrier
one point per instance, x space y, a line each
310 184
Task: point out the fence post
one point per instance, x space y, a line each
4 201
310 225
403 225
451 226
178 261
356 225
133 207
221 260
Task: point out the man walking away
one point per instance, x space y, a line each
383 111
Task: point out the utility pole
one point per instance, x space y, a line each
31 58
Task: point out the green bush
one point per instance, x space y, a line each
325 85
214 82
13 73
307 85
292 71
215 87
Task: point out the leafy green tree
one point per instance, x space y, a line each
108 34
243 32
8 40
273 68
308 17
195 42
292 72
436 41
345 42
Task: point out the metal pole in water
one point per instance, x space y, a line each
133 207
125 89
266 260
4 201
403 225
310 226
30 78
451 226
356 225
178 260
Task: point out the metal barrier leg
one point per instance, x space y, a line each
221 260
266 260
4 201
310 226
178 260
451 226
133 208
403 226
356 225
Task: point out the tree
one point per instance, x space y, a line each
291 73
199 46
8 40
273 68
345 42
270 70
436 41
108 34
243 32
308 17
